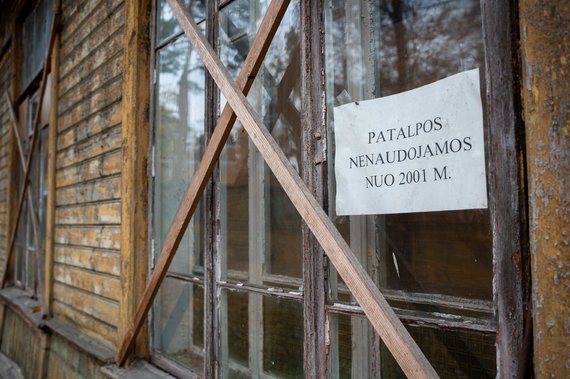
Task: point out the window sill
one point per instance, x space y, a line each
137 370
22 303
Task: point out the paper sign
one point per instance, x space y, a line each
417 151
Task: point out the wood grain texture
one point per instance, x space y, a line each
212 153
382 317
507 200
51 177
313 125
134 181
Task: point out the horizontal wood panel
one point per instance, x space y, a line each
72 55
102 331
99 167
107 140
75 12
100 76
98 190
104 261
100 284
89 214
106 118
92 21
95 102
108 49
100 308
105 237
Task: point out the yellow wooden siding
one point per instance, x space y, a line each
87 284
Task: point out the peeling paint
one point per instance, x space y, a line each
545 46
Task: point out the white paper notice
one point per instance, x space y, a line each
417 151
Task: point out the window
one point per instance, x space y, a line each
29 249
434 265
234 299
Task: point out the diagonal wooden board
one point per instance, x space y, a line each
380 314
35 134
31 206
251 66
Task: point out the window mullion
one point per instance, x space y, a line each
314 175
212 251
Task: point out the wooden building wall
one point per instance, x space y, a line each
87 287
5 85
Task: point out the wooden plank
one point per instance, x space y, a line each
91 105
75 55
107 140
25 180
91 23
313 125
51 177
98 190
100 77
382 317
212 153
134 182
93 282
99 167
104 261
507 199
94 124
74 17
97 307
103 237
90 328
106 213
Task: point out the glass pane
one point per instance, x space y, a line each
167 25
178 323
179 144
261 336
262 229
357 352
35 35
379 48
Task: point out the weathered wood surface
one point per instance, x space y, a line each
50 174
385 322
87 304
97 260
546 93
87 217
507 199
245 79
314 175
135 143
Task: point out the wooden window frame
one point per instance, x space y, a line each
37 87
508 212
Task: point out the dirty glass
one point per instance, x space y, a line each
261 230
453 354
178 148
261 336
29 270
178 323
378 48
168 26
35 39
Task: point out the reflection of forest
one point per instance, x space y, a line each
411 43
401 45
